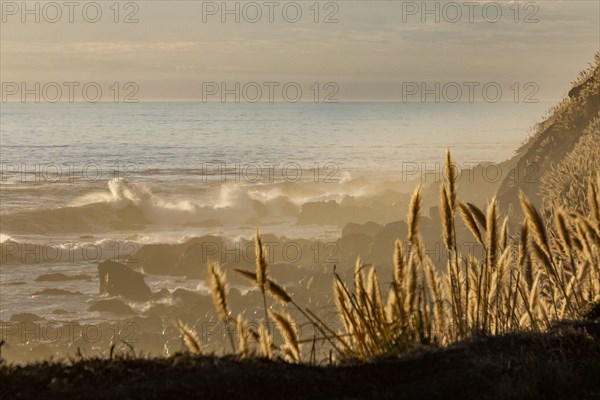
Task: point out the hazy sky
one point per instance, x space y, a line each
373 48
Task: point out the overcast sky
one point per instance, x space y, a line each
373 48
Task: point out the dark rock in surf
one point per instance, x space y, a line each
158 259
383 247
117 279
353 246
369 229
320 212
197 251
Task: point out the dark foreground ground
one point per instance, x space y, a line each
561 364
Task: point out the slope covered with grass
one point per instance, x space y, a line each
555 145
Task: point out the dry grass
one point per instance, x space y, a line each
218 289
287 327
526 282
566 185
189 338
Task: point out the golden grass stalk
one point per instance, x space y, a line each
218 289
343 305
478 214
582 239
594 199
492 234
591 232
451 179
413 215
448 210
536 223
543 258
438 302
251 276
447 218
391 305
375 297
189 338
470 222
410 286
288 331
542 248
563 232
504 234
244 347
524 257
398 263
266 342
273 288
449 236
261 262
586 281
278 292
486 278
359 283
528 316
261 273
533 300
564 238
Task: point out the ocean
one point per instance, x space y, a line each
76 175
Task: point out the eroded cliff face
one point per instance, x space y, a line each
555 144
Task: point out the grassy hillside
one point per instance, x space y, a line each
566 184
554 148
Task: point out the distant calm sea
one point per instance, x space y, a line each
363 137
